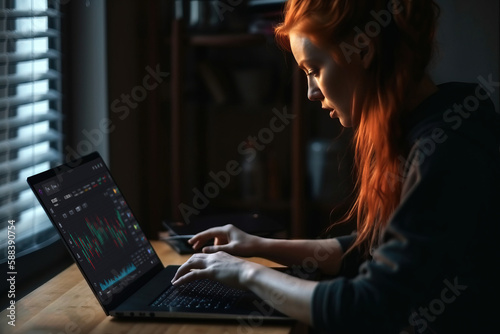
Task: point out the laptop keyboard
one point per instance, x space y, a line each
202 294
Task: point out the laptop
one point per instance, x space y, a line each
121 267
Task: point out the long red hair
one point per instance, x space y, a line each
403 44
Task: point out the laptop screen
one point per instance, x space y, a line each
97 225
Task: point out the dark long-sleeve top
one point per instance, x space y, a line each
434 268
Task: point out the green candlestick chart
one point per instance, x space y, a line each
102 234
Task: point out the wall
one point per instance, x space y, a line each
86 79
138 153
468 48
468 42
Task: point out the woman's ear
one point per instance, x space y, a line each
367 54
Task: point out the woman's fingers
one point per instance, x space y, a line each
195 263
218 233
218 266
198 244
193 275
203 236
216 248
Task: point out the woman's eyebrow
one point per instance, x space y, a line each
301 66
304 63
310 61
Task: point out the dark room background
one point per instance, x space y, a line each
172 92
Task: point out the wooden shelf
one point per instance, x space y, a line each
295 205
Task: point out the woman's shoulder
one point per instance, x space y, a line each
457 130
458 114
456 107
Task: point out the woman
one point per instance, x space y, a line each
427 160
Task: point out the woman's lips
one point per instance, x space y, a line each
332 112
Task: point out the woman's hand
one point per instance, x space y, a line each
218 266
228 239
287 294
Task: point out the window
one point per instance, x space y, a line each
30 116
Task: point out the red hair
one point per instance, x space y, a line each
402 33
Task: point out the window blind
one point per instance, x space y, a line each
30 116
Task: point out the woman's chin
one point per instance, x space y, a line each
344 122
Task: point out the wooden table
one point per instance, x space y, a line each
66 305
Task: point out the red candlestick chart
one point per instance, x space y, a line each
103 233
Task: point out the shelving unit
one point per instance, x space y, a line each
203 115
182 44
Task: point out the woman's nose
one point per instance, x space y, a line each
313 91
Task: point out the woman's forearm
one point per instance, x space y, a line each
287 294
322 254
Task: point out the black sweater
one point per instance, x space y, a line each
433 270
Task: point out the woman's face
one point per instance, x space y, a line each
328 82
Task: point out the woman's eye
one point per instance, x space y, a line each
311 72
